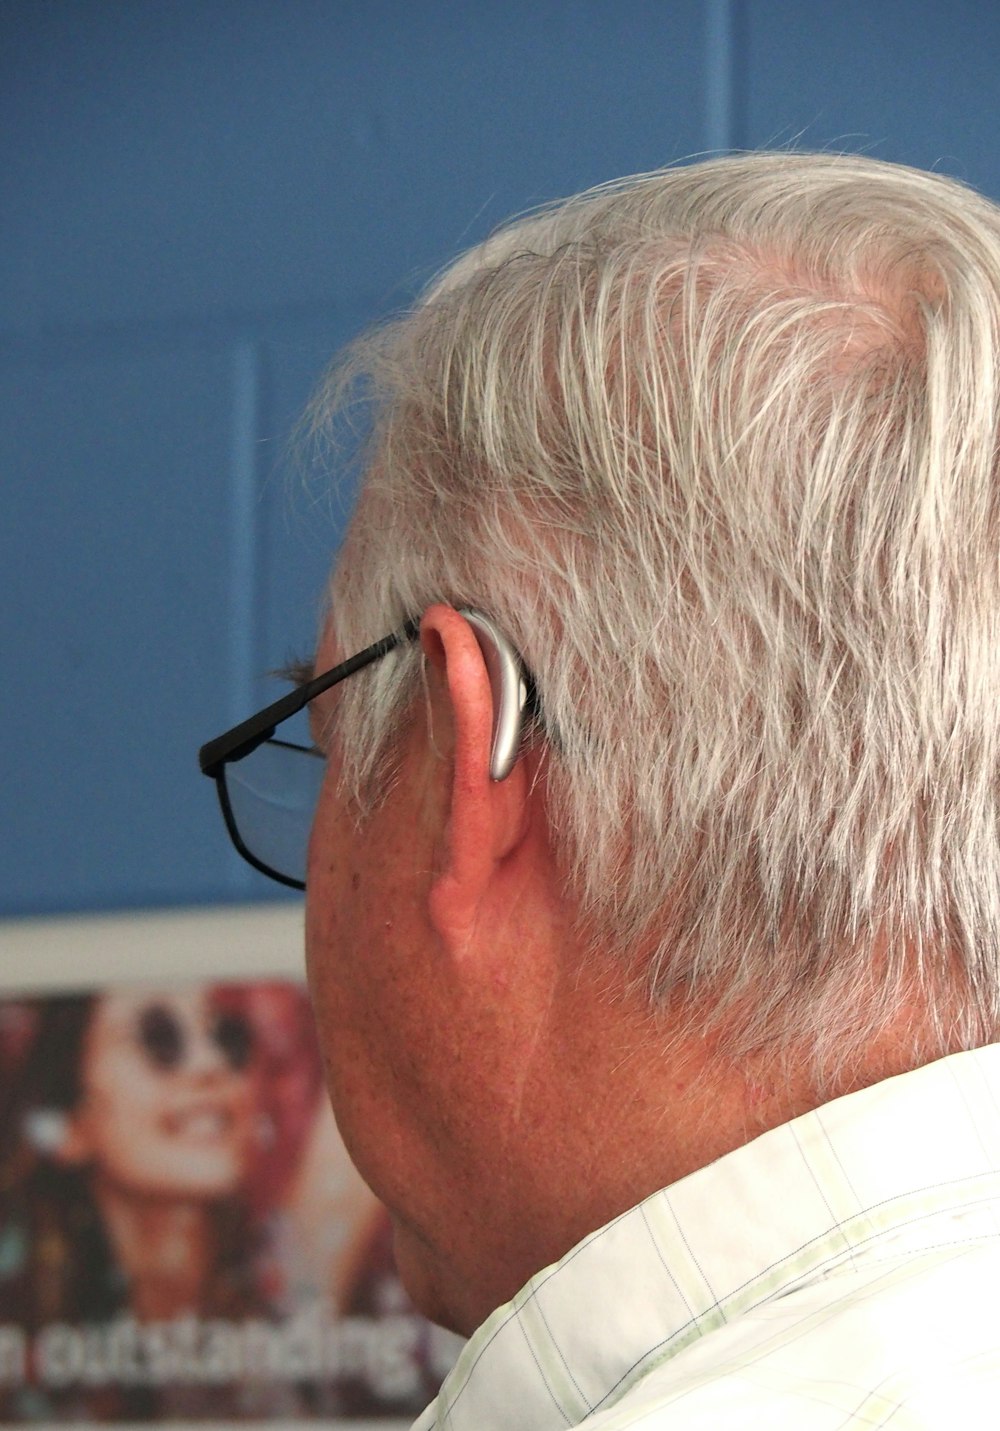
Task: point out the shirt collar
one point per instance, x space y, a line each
830 1187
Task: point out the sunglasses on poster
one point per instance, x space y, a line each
167 1042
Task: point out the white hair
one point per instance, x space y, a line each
717 447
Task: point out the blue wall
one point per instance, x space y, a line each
200 202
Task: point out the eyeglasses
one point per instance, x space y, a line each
167 1043
268 788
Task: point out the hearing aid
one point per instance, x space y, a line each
509 690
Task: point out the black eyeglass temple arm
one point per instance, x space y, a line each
234 744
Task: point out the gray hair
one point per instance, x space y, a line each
717 447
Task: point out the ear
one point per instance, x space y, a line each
486 819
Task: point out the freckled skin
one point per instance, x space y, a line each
448 1075
420 1072
495 1084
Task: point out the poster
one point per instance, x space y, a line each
182 1236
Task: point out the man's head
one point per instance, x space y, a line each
716 449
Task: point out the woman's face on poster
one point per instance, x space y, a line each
168 1097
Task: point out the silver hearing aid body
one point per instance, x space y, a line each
509 688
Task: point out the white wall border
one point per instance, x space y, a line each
79 952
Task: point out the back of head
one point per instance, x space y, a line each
716 447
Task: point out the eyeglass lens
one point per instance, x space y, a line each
272 796
166 1043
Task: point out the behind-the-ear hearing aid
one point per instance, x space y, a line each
510 692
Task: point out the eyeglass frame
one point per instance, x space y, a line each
507 676
243 739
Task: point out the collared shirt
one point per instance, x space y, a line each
841 1271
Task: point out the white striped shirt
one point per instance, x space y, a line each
841 1271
